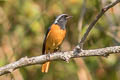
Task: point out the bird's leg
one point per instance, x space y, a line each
48 56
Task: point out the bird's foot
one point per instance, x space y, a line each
48 56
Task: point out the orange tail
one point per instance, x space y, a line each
45 67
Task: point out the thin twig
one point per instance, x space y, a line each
103 10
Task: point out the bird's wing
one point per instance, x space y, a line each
44 43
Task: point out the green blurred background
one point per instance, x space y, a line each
23 24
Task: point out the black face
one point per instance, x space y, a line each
61 20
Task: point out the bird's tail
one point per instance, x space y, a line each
45 67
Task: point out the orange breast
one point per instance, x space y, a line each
54 38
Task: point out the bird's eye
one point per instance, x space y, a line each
66 16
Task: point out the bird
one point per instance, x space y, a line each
54 38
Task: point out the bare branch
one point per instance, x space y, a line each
103 10
58 55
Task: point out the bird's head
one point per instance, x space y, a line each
62 19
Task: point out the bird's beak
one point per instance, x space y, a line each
68 17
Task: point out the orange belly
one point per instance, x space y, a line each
54 38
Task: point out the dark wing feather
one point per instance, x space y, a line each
44 43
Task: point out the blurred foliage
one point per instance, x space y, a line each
23 24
